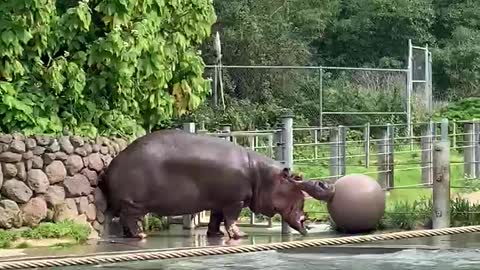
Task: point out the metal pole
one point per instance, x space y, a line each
469 151
426 94
477 148
441 185
391 160
342 145
444 129
334 153
188 223
287 135
409 94
366 137
315 138
426 147
321 102
383 160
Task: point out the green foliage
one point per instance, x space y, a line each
465 109
100 67
155 223
64 229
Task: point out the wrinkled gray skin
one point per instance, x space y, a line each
171 172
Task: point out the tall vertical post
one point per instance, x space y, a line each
342 145
315 138
188 220
391 158
226 128
409 93
477 148
386 159
321 102
287 138
469 151
366 138
427 153
441 183
334 153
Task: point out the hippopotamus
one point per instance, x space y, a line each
172 172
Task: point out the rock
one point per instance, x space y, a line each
88 148
65 211
81 151
27 155
38 181
81 219
38 150
6 138
77 200
100 216
77 185
95 162
10 157
54 146
104 150
106 160
56 172
48 158
10 215
111 150
100 201
3 147
122 143
1 177
91 199
99 140
82 205
116 148
9 170
66 145
21 171
17 147
34 211
29 164
74 164
43 140
93 233
17 191
76 141
98 227
37 162
92 176
95 148
30 143
72 205
61 156
18 136
50 215
55 195
85 162
91 212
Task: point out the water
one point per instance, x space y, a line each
466 259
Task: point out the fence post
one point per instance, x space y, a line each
386 159
427 153
334 153
188 220
366 137
287 149
226 128
441 183
469 151
342 150
477 148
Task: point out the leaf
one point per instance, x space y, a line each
8 37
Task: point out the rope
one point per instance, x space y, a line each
211 251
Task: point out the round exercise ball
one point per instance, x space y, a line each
358 204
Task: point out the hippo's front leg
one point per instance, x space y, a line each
231 214
216 218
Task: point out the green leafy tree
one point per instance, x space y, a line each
110 67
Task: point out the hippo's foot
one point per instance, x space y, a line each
235 233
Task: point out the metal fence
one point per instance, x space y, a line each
330 92
398 162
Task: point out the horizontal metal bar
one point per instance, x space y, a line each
309 67
356 113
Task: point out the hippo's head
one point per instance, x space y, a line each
289 197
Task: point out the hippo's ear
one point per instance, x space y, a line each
286 172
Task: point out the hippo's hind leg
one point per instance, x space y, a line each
231 214
130 218
216 218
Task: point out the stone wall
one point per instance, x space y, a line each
45 178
